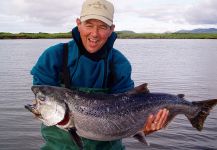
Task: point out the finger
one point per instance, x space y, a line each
155 123
148 123
162 119
165 119
158 116
154 126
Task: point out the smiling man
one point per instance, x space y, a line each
88 63
94 34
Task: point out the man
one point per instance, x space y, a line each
93 65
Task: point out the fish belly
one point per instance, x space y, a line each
107 128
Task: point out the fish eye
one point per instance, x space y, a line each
42 98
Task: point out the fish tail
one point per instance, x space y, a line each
204 109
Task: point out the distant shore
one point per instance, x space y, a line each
121 35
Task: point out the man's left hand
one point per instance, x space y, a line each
156 122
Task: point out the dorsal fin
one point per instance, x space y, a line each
139 89
181 95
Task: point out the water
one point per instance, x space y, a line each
172 66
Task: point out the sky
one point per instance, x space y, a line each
141 16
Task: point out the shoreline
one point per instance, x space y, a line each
121 35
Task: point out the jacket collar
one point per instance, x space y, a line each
101 54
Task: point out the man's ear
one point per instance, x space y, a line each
78 22
112 28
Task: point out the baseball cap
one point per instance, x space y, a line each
97 9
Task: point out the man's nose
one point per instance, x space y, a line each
94 32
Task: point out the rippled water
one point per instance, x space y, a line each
172 66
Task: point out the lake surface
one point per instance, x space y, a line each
172 66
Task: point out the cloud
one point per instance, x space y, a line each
137 15
204 12
44 12
165 13
171 15
158 11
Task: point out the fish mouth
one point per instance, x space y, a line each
32 109
47 114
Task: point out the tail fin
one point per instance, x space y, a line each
205 107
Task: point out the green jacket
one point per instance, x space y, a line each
106 69
58 139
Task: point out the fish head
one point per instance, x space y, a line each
48 106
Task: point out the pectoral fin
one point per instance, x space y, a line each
76 138
141 138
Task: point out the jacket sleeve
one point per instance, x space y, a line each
121 69
46 70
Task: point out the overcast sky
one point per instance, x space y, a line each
155 16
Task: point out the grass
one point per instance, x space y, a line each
121 35
40 35
168 35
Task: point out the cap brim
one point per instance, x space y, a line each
101 18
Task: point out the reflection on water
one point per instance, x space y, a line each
173 66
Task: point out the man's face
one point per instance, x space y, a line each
94 33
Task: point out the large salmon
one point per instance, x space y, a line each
107 117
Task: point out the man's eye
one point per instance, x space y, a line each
103 27
89 26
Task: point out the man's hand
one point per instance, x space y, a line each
157 122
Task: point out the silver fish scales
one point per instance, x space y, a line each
107 117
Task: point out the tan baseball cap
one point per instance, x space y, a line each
97 9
